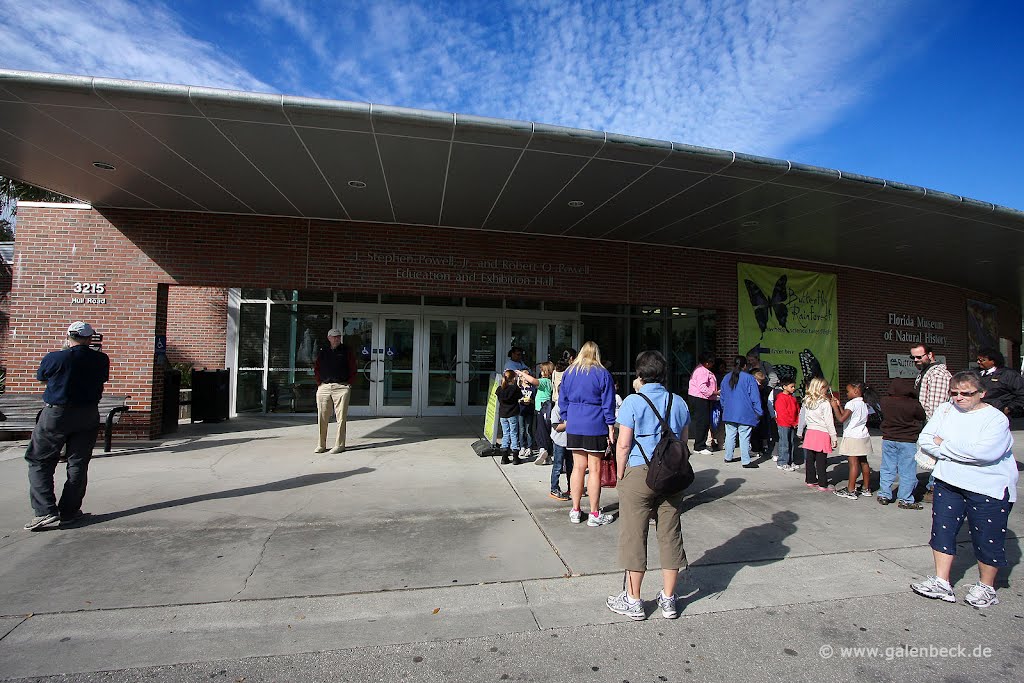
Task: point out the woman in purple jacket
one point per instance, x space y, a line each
741 410
586 401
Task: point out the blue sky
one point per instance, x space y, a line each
924 92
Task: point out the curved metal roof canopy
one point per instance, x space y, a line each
198 149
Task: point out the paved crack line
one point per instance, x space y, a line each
533 614
23 620
258 561
536 521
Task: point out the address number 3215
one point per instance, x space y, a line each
90 288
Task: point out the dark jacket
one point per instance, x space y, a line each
1004 388
903 417
508 400
335 366
74 376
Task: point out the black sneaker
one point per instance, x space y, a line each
559 495
72 519
883 501
751 466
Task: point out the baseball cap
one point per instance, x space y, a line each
334 332
80 329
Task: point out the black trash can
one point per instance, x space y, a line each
172 401
210 395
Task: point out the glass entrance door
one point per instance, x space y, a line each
387 363
459 361
398 367
541 340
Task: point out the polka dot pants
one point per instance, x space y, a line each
986 520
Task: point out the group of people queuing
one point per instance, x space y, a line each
955 425
570 415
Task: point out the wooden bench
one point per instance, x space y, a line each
19 413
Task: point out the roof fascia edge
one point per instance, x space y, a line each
88 83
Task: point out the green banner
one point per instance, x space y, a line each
491 414
789 318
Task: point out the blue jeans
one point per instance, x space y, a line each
558 461
510 433
787 439
731 429
898 460
526 429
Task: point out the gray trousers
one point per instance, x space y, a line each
75 426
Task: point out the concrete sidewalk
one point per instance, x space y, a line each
235 541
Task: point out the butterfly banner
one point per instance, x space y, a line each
789 319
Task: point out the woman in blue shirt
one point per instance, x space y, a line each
741 410
586 401
640 427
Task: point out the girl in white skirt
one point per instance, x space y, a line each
856 444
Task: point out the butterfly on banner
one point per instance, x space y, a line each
810 366
765 307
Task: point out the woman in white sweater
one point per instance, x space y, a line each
976 480
820 435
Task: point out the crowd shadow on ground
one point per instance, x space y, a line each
269 487
712 573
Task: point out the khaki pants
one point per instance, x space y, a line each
331 399
636 503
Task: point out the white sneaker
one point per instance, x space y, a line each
319 449
981 595
775 458
626 606
542 457
575 516
934 588
704 452
667 603
601 519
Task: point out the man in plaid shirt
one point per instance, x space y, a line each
932 389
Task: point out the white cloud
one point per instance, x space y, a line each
141 40
753 76
750 75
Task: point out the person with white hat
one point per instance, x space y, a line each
74 378
333 369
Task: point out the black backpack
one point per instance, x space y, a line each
668 469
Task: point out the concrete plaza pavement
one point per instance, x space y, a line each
233 548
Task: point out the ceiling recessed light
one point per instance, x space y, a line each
357 184
575 203
103 166
750 224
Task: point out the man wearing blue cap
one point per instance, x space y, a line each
74 380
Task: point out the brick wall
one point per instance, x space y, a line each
165 272
197 326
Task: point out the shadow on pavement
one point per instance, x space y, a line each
283 485
706 491
760 545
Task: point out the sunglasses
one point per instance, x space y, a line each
917 357
962 393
